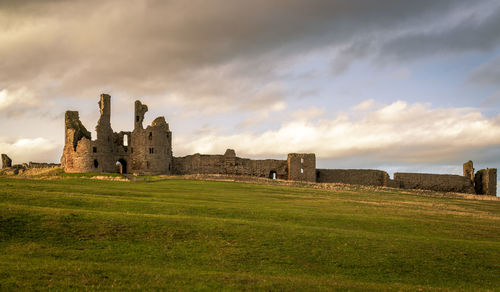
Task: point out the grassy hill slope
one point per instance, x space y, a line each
185 234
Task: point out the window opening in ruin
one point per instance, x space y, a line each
272 174
125 140
125 148
94 149
137 118
131 150
301 170
150 137
96 164
169 166
121 165
151 150
302 160
147 164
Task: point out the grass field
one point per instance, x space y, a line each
75 233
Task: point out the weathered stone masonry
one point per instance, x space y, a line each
149 151
144 151
6 161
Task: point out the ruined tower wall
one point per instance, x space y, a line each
486 182
104 144
6 161
76 144
151 148
302 167
152 151
367 177
78 160
468 170
434 182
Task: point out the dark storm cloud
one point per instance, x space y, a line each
474 32
72 48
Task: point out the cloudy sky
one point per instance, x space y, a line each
394 85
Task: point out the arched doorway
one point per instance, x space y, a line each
273 174
122 165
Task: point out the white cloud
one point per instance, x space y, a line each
309 113
31 149
365 105
395 132
17 100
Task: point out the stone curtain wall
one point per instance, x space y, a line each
485 180
367 177
435 182
229 164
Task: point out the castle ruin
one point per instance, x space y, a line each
143 151
149 151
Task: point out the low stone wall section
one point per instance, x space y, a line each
366 177
230 165
42 165
435 182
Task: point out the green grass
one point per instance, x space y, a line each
76 233
61 173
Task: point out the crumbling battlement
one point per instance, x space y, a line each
42 165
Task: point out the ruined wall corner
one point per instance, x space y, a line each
6 161
74 129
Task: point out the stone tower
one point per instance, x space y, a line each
152 146
468 170
302 167
486 182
